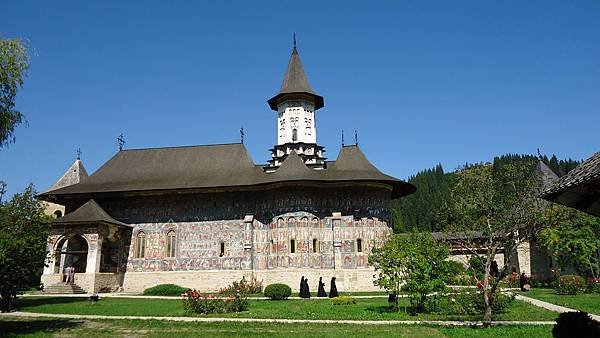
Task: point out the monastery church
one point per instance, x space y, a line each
212 215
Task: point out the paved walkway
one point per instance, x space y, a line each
118 295
272 320
550 306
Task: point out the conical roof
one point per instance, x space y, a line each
548 176
295 82
293 167
75 174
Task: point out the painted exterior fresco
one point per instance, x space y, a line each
251 241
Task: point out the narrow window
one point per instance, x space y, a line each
294 135
315 245
292 246
140 246
222 249
271 245
171 243
359 245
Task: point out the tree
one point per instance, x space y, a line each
573 240
494 208
23 235
415 263
14 64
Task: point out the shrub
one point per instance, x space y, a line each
570 285
278 291
196 303
593 287
165 290
243 286
466 303
457 274
575 324
512 280
343 300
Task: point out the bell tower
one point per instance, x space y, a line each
296 104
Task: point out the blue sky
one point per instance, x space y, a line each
424 82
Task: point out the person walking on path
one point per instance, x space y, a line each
333 292
321 291
67 274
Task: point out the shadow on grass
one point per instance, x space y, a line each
32 302
32 326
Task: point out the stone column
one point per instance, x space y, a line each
524 257
249 240
336 222
94 253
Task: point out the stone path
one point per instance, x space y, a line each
117 295
550 306
272 320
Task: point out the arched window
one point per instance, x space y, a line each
271 247
171 241
140 245
315 245
57 214
221 249
294 135
359 247
292 246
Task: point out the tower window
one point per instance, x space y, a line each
292 246
294 135
359 247
315 245
271 247
221 249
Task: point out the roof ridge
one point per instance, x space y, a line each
186 146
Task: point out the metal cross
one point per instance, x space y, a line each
242 134
121 142
355 137
342 137
79 153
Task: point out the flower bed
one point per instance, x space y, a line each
197 303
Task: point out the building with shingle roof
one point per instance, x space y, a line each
205 216
579 188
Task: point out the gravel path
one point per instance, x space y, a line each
269 320
550 306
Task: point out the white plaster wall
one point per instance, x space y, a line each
347 280
464 259
299 115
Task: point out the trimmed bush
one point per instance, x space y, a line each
343 300
570 285
165 290
593 287
575 324
278 291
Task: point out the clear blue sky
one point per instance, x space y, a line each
423 82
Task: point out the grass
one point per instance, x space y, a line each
588 302
364 309
152 328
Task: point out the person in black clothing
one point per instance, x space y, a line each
321 292
333 289
523 282
306 289
301 293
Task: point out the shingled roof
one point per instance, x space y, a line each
75 174
217 166
579 188
295 82
90 212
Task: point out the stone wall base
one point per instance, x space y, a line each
90 282
347 280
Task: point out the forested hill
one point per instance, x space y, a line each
420 211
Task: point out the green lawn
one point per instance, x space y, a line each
152 328
588 302
364 309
